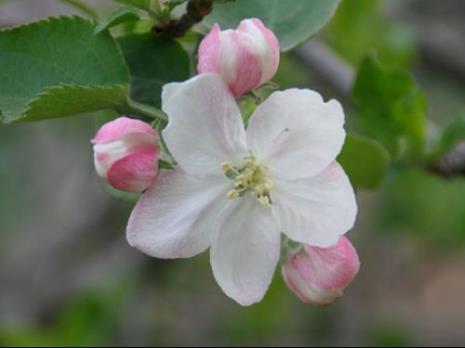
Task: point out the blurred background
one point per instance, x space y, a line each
68 277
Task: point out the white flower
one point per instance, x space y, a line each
236 190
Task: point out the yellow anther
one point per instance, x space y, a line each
264 200
269 184
260 189
225 166
249 177
233 194
242 180
249 163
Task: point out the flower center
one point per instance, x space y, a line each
249 177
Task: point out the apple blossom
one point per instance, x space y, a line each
319 275
125 154
245 58
234 190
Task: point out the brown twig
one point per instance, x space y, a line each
196 10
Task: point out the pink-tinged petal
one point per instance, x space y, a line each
245 58
209 52
135 172
296 133
122 126
318 275
317 210
268 45
126 154
246 251
247 70
205 125
178 216
107 153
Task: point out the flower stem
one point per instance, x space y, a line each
147 110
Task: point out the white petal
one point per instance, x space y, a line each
246 252
177 217
318 210
205 124
296 133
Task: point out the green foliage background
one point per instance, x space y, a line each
59 225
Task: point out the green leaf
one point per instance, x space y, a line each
391 108
364 160
425 207
68 100
121 15
142 4
451 135
152 63
58 64
293 21
360 25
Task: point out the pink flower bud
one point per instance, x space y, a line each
319 276
245 58
126 154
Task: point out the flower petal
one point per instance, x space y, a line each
266 43
120 127
135 172
107 153
177 217
296 133
209 52
205 127
246 252
318 210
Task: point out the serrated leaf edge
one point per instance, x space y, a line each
54 19
62 19
47 91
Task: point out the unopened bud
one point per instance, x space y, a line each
318 275
245 58
126 154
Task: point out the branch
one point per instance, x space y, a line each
452 164
332 69
328 66
195 12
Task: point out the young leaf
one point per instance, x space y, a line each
451 135
391 108
364 160
152 63
55 63
293 21
121 15
360 25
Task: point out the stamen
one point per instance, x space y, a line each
260 189
264 200
269 184
225 166
233 194
250 177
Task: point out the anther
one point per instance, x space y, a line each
233 194
225 166
264 200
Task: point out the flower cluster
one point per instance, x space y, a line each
237 190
